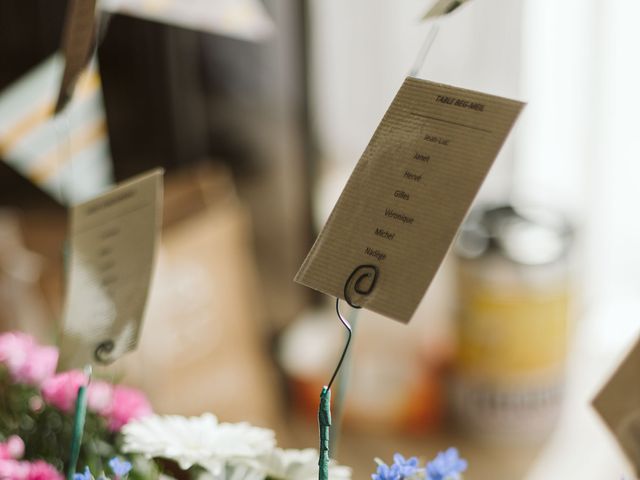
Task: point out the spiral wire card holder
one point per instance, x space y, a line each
360 283
324 412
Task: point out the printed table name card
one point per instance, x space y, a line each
407 196
113 244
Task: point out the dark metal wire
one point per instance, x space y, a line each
346 347
358 275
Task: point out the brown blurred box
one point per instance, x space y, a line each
201 347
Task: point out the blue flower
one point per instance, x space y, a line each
407 468
387 473
83 476
119 467
446 465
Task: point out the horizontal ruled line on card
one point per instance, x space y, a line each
450 122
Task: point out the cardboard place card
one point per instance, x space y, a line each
78 42
618 403
443 7
113 243
407 196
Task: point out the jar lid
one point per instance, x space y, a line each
528 236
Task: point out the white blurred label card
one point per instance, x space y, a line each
618 403
112 251
407 196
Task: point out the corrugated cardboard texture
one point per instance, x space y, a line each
408 195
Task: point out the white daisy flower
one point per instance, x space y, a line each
197 441
238 472
300 465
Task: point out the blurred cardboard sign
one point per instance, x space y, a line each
78 41
113 243
618 403
66 155
407 196
443 7
243 19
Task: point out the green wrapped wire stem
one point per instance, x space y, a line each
324 411
324 421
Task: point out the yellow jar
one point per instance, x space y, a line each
512 323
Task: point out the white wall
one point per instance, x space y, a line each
363 49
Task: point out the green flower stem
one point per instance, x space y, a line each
78 429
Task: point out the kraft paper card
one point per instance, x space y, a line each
618 403
407 196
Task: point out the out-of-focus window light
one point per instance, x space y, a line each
578 146
615 196
578 151
554 151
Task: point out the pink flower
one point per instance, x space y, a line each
100 397
27 361
40 366
14 470
35 403
128 404
40 470
61 390
118 404
13 448
15 348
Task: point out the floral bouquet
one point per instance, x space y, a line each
37 407
123 440
204 448
224 451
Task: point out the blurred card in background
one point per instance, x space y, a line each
243 19
67 155
113 243
618 403
78 40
